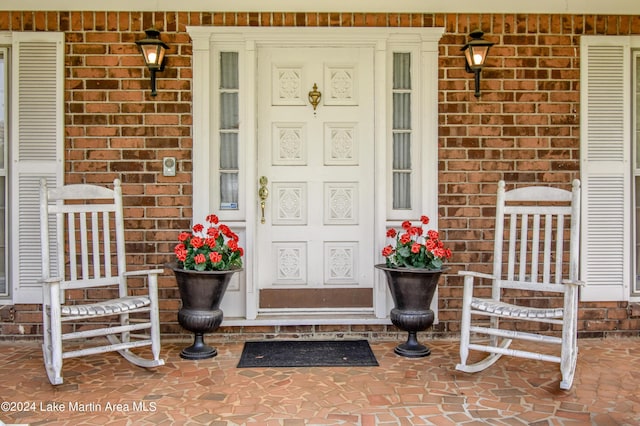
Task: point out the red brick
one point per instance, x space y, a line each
523 128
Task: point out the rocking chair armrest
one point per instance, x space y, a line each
576 283
469 278
51 280
144 272
476 274
51 285
152 281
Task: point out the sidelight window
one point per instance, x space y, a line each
229 130
636 170
4 291
401 131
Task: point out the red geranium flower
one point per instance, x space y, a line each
216 248
215 257
197 242
407 250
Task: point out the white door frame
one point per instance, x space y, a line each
207 41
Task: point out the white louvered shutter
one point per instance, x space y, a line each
606 170
37 147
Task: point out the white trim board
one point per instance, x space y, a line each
610 7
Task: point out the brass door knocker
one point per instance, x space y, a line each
314 97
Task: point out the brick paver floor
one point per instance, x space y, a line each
106 390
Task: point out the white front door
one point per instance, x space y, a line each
316 237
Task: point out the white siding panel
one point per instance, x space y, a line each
606 174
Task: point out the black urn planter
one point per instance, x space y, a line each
201 293
412 291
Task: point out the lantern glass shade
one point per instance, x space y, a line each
153 55
476 56
476 50
152 49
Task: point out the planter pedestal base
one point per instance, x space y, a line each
199 350
412 322
412 349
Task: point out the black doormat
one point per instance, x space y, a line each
307 353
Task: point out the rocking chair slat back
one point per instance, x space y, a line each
534 244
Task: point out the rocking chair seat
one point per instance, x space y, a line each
108 307
508 310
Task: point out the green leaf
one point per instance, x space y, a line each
404 251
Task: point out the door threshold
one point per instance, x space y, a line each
315 319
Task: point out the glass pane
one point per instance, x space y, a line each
402 151
229 151
402 71
228 110
401 190
228 191
402 111
229 70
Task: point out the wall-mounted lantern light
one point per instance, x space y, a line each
475 53
153 50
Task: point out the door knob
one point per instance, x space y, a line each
263 193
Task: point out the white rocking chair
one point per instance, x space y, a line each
537 282
88 225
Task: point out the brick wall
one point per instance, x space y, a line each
524 129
